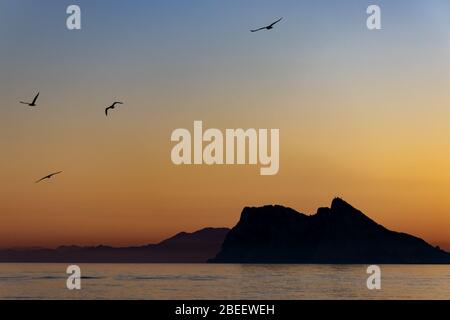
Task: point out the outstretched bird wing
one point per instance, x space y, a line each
254 30
106 110
24 102
35 98
48 176
271 25
117 102
41 179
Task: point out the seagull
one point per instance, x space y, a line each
31 104
269 27
49 176
112 107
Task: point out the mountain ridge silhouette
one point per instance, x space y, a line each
268 234
336 234
184 247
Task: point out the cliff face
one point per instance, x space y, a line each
339 234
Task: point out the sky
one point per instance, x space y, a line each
362 114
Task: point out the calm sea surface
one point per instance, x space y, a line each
207 281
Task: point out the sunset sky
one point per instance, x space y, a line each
364 115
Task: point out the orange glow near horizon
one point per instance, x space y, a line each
363 116
122 192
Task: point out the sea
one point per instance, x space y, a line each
223 281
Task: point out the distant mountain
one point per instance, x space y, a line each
184 247
269 234
339 234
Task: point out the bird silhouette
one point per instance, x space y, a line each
113 106
48 176
269 27
33 103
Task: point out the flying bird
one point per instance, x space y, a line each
48 176
269 27
31 104
113 106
